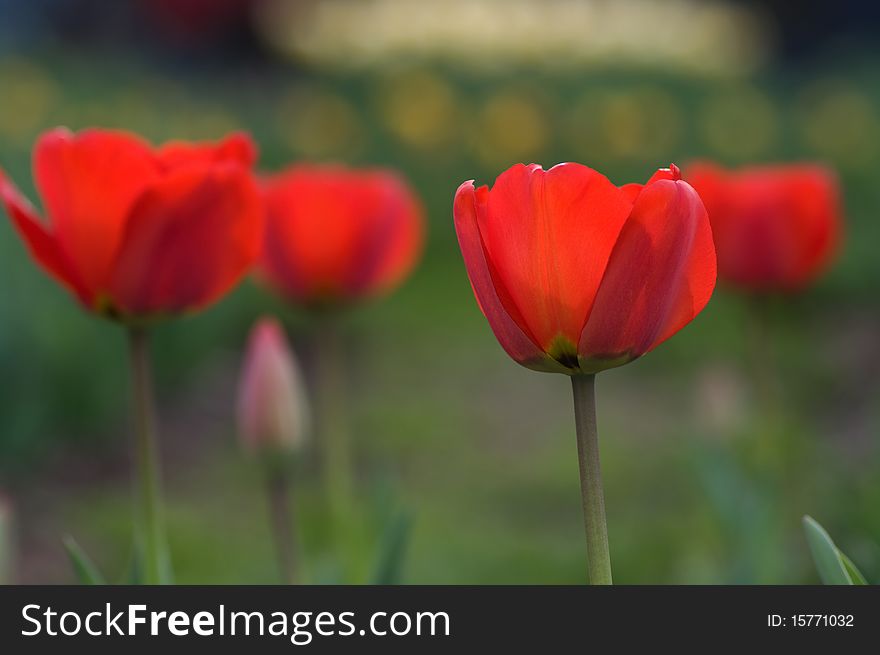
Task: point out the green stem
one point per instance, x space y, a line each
336 447
282 526
763 361
332 420
598 558
150 525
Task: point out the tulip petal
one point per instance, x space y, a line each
391 241
237 147
40 242
190 238
815 198
339 234
88 182
548 235
314 222
660 275
632 191
469 204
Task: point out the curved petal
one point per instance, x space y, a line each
700 274
673 173
88 182
237 147
815 196
469 204
391 239
548 235
40 242
190 238
632 190
339 234
313 226
660 275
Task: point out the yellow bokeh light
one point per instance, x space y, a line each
637 124
29 95
419 108
513 127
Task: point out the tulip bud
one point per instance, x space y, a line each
272 406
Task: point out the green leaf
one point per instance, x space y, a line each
392 550
834 567
855 575
86 571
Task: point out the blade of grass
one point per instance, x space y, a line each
834 567
855 575
392 550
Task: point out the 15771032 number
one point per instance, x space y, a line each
822 620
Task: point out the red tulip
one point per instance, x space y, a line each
336 235
134 231
576 275
775 227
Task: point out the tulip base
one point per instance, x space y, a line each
598 558
150 522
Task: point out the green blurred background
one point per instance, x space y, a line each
706 477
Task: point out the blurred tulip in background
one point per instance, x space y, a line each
136 232
139 233
336 235
273 413
776 228
273 424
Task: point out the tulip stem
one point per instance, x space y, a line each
598 558
335 436
763 362
278 491
334 432
149 525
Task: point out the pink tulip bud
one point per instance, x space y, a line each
272 406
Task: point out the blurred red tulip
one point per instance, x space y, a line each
576 275
336 235
137 232
272 407
775 227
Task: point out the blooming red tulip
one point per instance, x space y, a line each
775 227
272 409
336 235
577 275
135 231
